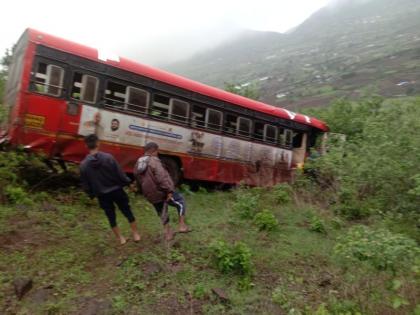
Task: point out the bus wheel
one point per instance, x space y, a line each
173 169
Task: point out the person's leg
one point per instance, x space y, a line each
178 202
123 203
108 206
162 211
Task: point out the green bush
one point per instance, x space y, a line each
316 224
372 171
380 248
246 203
266 221
234 258
200 291
281 193
281 297
16 195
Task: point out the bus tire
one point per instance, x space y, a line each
173 169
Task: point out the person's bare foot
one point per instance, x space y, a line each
169 234
183 228
123 240
136 237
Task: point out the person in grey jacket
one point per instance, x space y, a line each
102 177
158 188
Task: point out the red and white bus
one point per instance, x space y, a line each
59 91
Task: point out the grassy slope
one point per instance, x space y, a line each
63 243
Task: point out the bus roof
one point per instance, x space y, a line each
169 78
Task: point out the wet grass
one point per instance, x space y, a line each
64 245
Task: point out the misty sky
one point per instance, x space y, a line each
153 32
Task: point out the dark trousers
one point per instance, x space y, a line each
116 197
176 201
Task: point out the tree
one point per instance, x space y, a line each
5 62
249 91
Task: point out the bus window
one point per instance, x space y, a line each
198 116
244 126
85 87
213 119
297 139
137 100
270 133
115 95
231 123
160 106
179 110
49 79
258 130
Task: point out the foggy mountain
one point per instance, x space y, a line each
349 48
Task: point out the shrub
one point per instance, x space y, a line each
234 258
317 225
200 291
282 193
280 297
380 248
266 221
16 195
246 204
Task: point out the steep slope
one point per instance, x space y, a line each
349 48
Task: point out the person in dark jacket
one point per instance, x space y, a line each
158 188
102 177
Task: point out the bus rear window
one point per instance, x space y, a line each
85 87
49 79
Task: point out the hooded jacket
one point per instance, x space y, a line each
153 178
100 174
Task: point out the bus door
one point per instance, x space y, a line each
298 141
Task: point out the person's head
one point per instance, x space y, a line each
151 148
115 124
91 142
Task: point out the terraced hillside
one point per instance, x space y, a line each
351 48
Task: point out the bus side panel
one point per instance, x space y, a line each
40 121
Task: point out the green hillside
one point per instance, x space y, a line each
354 48
342 240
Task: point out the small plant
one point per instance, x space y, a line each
282 193
380 248
119 304
266 221
317 225
176 256
280 297
232 258
245 283
246 204
199 291
16 195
